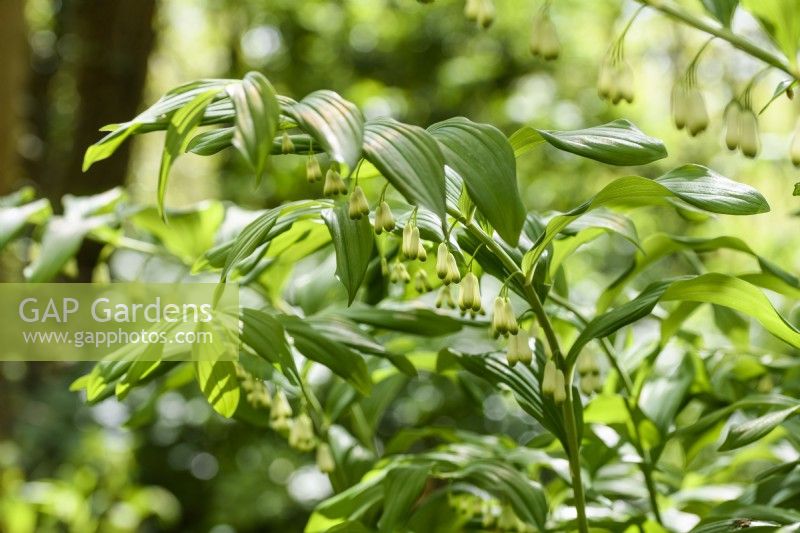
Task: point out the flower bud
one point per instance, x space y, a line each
445 298
281 412
325 461
549 45
697 115
749 142
587 363
680 108
421 283
410 245
485 13
587 383
287 146
549 378
313 172
334 185
441 261
560 392
732 133
625 81
358 206
384 221
399 273
511 318
301 433
605 81
794 148
512 357
422 254
469 295
453 273
498 316
471 8
523 347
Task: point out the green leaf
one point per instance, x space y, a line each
405 319
693 184
616 143
736 294
337 124
181 126
216 377
61 240
783 87
662 395
252 236
353 241
410 158
752 430
402 487
524 140
781 21
713 288
707 190
484 159
211 142
105 147
660 245
722 10
257 117
157 117
340 359
14 218
265 335
190 232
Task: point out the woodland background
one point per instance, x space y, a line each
72 66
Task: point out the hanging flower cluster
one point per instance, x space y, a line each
544 41
688 105
589 373
741 128
481 11
299 430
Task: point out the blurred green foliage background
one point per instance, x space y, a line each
72 66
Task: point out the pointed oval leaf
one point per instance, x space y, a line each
340 359
710 191
410 158
483 157
257 118
336 123
181 125
617 143
353 241
752 430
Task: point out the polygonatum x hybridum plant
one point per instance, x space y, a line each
612 412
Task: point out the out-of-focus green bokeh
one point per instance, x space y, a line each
74 65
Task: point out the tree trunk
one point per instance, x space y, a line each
13 50
116 38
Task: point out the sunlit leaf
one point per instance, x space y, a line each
616 143
353 241
257 117
410 158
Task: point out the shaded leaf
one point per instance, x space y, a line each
337 124
484 159
353 241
